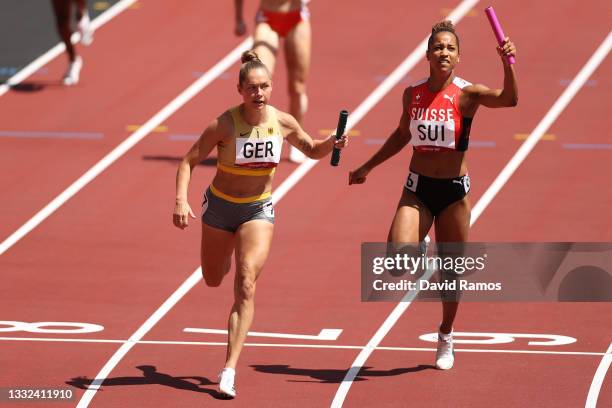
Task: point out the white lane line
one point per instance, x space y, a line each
372 345
598 379
60 47
138 335
499 182
128 143
552 115
456 15
316 346
324 334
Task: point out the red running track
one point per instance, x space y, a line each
110 255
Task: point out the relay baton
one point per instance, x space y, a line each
335 158
497 30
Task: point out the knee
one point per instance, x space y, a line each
213 276
213 272
245 289
212 280
297 87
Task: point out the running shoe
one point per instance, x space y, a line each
445 355
84 27
74 71
226 382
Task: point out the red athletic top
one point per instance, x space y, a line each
436 123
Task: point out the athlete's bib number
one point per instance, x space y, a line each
269 209
466 183
412 182
253 151
433 133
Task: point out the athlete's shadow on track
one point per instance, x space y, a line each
176 159
153 377
211 161
336 376
34 86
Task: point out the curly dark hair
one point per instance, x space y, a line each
445 25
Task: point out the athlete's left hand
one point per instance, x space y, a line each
340 143
506 49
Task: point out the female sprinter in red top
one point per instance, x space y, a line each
436 118
289 20
237 213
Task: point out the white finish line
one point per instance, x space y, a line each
607 357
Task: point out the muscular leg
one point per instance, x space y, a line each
215 254
81 9
62 9
297 53
265 44
253 240
452 225
412 220
297 58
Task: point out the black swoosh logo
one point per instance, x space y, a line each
245 134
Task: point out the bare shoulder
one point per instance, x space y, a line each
285 118
287 121
220 128
407 96
225 123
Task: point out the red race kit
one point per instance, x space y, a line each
283 23
436 123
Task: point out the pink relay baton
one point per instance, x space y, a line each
497 30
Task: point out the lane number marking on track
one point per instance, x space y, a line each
49 327
324 334
500 338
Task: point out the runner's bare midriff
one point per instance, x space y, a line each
242 186
444 164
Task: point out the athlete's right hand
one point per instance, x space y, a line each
182 212
358 176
